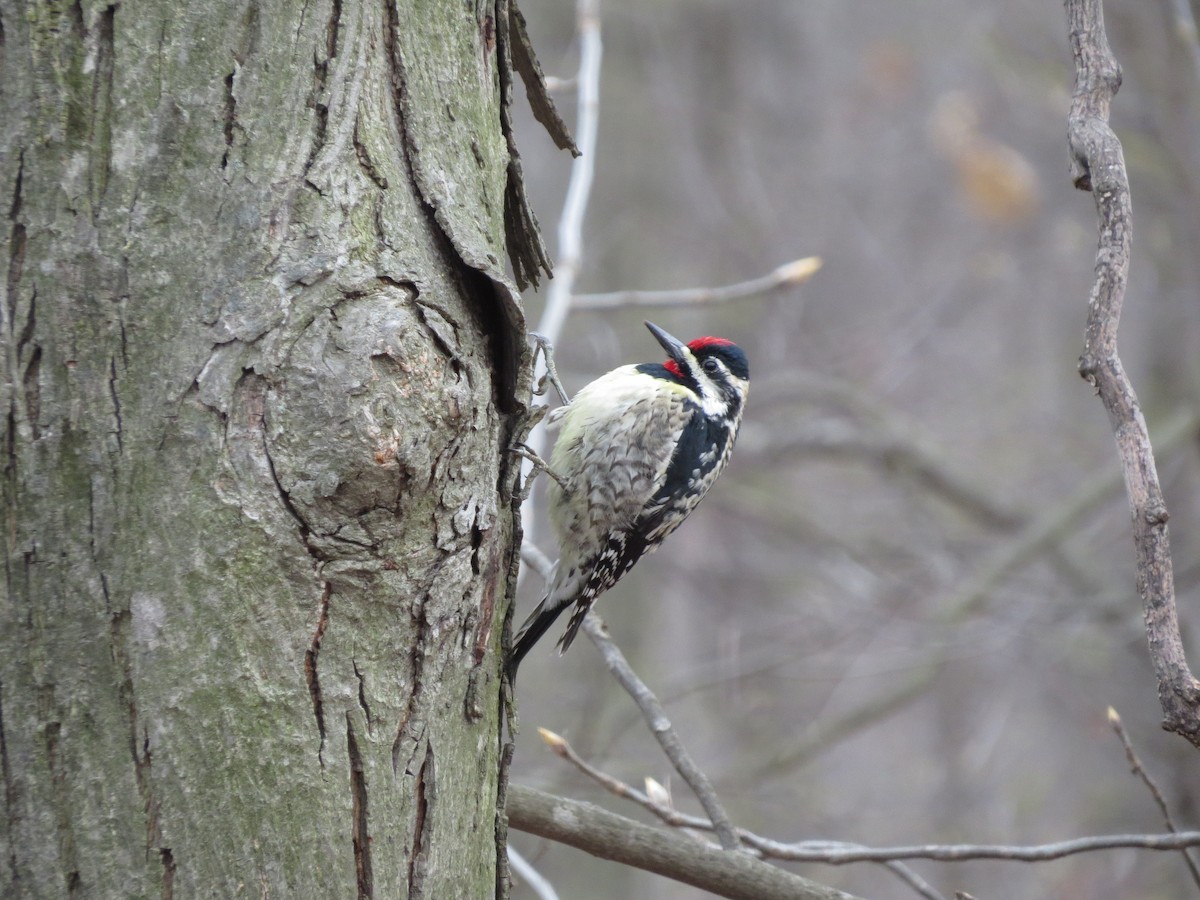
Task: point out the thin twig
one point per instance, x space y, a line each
656 718
539 464
1135 765
570 223
534 880
666 812
838 853
1098 166
673 817
785 276
583 169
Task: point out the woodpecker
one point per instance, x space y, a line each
637 450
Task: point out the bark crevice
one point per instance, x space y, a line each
30 379
167 858
362 695
318 97
230 116
23 353
311 674
60 791
405 727
118 425
16 241
426 789
140 752
10 797
363 155
360 838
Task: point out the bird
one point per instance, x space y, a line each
637 450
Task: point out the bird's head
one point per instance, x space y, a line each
715 368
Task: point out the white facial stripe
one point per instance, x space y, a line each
712 401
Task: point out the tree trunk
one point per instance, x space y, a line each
260 362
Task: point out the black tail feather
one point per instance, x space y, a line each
577 617
535 626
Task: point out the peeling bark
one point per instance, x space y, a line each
261 362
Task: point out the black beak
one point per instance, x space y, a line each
676 349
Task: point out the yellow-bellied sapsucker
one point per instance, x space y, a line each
637 450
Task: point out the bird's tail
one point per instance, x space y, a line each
577 617
535 626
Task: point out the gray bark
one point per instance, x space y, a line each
260 360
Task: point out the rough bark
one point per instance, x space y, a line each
260 359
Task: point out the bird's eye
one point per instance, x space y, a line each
711 365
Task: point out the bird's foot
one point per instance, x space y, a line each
542 345
539 465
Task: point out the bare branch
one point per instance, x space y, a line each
1135 765
534 880
842 853
579 188
837 853
570 225
664 731
610 836
673 817
533 556
789 274
1098 165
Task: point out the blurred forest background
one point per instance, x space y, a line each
902 613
